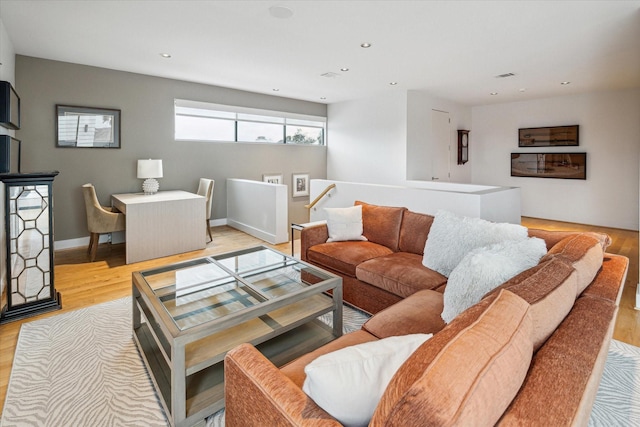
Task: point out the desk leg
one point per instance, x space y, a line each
293 228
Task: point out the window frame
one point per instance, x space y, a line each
280 118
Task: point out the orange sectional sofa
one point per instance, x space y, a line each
531 352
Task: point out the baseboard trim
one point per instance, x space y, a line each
253 231
117 237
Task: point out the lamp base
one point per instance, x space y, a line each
150 186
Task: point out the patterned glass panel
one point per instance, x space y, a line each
29 243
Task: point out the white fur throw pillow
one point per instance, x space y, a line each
451 237
486 268
348 383
344 223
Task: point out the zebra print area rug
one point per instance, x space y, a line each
618 399
82 368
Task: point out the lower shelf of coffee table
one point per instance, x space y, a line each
205 389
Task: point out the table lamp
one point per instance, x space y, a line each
149 170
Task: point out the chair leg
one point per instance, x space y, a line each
93 245
209 231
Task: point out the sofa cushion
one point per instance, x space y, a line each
564 374
483 269
344 257
416 365
452 237
381 224
418 313
349 382
414 231
344 224
294 370
471 378
552 237
584 252
400 273
549 288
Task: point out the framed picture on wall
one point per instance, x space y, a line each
272 178
87 127
9 154
549 136
300 184
549 165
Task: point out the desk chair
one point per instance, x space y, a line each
205 189
100 220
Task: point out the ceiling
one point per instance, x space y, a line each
451 49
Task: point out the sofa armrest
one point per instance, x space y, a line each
609 282
311 236
419 313
258 394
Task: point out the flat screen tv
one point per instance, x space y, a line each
9 154
9 106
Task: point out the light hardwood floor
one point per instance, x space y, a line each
82 283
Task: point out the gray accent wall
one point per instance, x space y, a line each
147 131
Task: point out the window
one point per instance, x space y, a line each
201 121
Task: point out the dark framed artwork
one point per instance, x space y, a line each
557 136
87 127
549 165
9 106
9 154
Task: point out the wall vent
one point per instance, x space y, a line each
503 76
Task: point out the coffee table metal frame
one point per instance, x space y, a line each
186 362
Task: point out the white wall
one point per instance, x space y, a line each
609 134
259 209
7 73
419 107
367 139
386 139
7 58
497 204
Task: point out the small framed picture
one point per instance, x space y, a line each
300 185
87 127
272 178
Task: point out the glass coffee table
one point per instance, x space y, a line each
187 316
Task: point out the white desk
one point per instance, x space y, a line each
161 224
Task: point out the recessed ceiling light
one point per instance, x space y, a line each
344 69
323 97
280 12
393 83
493 93
365 45
165 55
565 83
275 89
522 89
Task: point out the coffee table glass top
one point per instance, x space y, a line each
205 289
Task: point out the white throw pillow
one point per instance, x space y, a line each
348 383
344 223
451 237
486 268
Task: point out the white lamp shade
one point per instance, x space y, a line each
149 168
